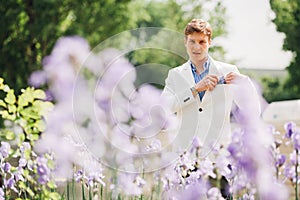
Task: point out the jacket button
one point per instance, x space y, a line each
200 110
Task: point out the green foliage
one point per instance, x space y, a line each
24 117
275 90
29 30
287 21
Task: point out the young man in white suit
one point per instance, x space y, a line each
202 90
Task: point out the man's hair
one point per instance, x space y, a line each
199 26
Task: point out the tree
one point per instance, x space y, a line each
287 21
30 28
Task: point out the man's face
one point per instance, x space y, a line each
197 45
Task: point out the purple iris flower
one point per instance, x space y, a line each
289 129
22 162
4 149
78 176
37 79
280 160
6 167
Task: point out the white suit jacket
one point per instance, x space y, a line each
208 119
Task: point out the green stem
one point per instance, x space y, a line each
101 191
82 191
296 170
90 193
68 191
73 188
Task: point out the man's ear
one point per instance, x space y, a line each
209 42
185 41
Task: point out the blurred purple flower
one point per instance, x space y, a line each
1 194
78 176
43 170
289 172
290 128
224 167
206 167
4 149
18 174
296 140
214 193
140 182
280 159
49 95
294 157
6 167
95 176
189 192
10 183
22 162
248 197
37 79
196 144
155 145
131 184
25 146
44 179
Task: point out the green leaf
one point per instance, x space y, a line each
6 115
33 137
9 135
43 107
12 108
2 103
51 185
30 192
40 125
10 97
27 154
22 185
26 97
54 196
5 88
29 112
21 138
39 94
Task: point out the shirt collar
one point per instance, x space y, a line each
205 65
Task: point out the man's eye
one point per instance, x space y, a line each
192 41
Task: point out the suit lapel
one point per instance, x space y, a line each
187 74
214 67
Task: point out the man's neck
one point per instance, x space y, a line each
199 64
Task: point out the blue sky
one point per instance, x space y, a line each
253 39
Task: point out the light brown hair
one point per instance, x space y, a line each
199 26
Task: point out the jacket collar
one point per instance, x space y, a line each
188 75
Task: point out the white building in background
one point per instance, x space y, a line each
280 112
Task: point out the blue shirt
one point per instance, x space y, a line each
199 77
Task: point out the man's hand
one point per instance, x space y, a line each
209 82
229 78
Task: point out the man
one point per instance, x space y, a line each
201 91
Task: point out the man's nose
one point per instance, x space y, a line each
197 46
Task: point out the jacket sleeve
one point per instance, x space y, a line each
177 91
